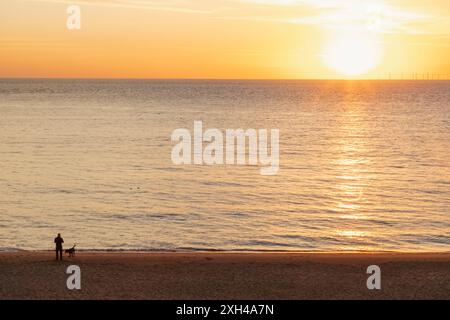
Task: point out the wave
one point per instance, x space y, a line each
235 250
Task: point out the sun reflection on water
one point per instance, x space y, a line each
350 168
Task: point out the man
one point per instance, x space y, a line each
59 248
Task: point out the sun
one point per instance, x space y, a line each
352 52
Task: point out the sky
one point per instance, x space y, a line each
226 39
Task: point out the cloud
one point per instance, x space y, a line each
373 17
371 14
179 6
26 43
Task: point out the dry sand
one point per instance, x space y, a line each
35 275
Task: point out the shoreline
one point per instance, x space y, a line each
238 251
225 276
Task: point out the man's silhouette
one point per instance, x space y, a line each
59 248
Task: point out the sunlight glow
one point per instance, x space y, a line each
352 52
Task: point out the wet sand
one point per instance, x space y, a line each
36 275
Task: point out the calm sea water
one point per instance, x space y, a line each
365 165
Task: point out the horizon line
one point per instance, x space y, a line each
222 79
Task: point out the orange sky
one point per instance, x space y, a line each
226 39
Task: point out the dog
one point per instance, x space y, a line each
71 251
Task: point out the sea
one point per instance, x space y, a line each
364 165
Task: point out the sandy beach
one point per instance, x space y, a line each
35 275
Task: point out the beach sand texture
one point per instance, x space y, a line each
35 275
